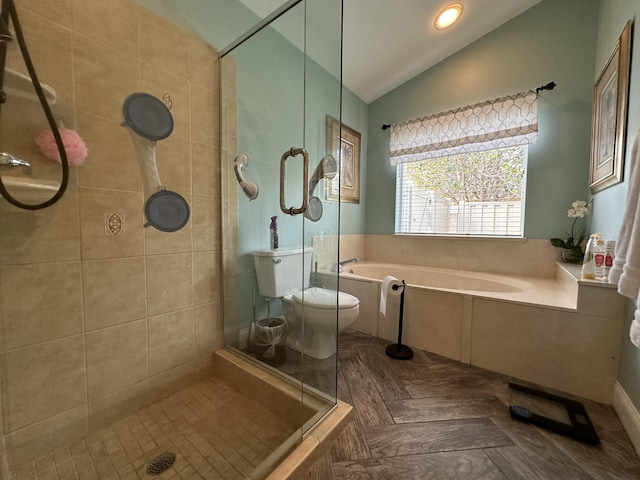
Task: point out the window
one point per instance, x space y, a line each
463 172
479 193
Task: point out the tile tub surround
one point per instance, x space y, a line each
514 256
564 334
93 325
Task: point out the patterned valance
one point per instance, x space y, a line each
505 122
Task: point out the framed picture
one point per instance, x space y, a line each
609 121
344 144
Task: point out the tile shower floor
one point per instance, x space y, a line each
215 432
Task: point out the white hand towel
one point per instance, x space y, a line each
634 331
626 264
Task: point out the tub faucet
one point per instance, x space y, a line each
8 161
339 267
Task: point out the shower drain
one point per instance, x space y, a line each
161 463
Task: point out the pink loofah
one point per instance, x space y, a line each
74 146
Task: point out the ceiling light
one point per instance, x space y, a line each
448 16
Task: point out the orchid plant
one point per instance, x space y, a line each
579 209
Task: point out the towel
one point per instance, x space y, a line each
625 270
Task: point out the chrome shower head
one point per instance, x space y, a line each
250 189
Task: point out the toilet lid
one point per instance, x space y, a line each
323 298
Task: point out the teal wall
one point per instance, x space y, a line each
609 204
222 21
217 21
552 41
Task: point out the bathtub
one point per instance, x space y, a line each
559 332
441 278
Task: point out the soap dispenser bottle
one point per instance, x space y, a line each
273 233
588 263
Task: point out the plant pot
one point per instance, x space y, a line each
568 256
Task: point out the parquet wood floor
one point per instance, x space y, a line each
434 418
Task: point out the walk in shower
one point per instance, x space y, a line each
125 350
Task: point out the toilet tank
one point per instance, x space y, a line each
282 271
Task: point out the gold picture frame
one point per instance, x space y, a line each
609 119
344 144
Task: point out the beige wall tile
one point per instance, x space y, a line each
163 45
94 204
57 10
205 218
204 116
171 341
367 293
174 90
205 170
158 242
42 380
229 227
50 49
509 256
114 291
207 277
94 63
169 283
89 19
43 437
567 351
208 327
116 358
48 235
432 321
104 77
204 63
173 157
171 381
40 302
111 162
106 410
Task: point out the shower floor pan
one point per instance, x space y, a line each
242 423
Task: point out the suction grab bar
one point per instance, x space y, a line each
294 152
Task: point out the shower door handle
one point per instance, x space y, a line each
294 152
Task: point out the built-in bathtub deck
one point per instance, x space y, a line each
561 332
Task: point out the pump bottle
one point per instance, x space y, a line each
588 264
273 233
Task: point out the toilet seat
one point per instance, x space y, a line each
325 299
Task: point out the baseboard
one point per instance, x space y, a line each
629 415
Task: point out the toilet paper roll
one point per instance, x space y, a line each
388 283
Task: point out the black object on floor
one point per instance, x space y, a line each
397 350
580 428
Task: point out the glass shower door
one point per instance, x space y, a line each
281 87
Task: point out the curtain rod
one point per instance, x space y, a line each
546 86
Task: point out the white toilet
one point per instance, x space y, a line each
310 312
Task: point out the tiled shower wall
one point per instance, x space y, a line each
95 324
